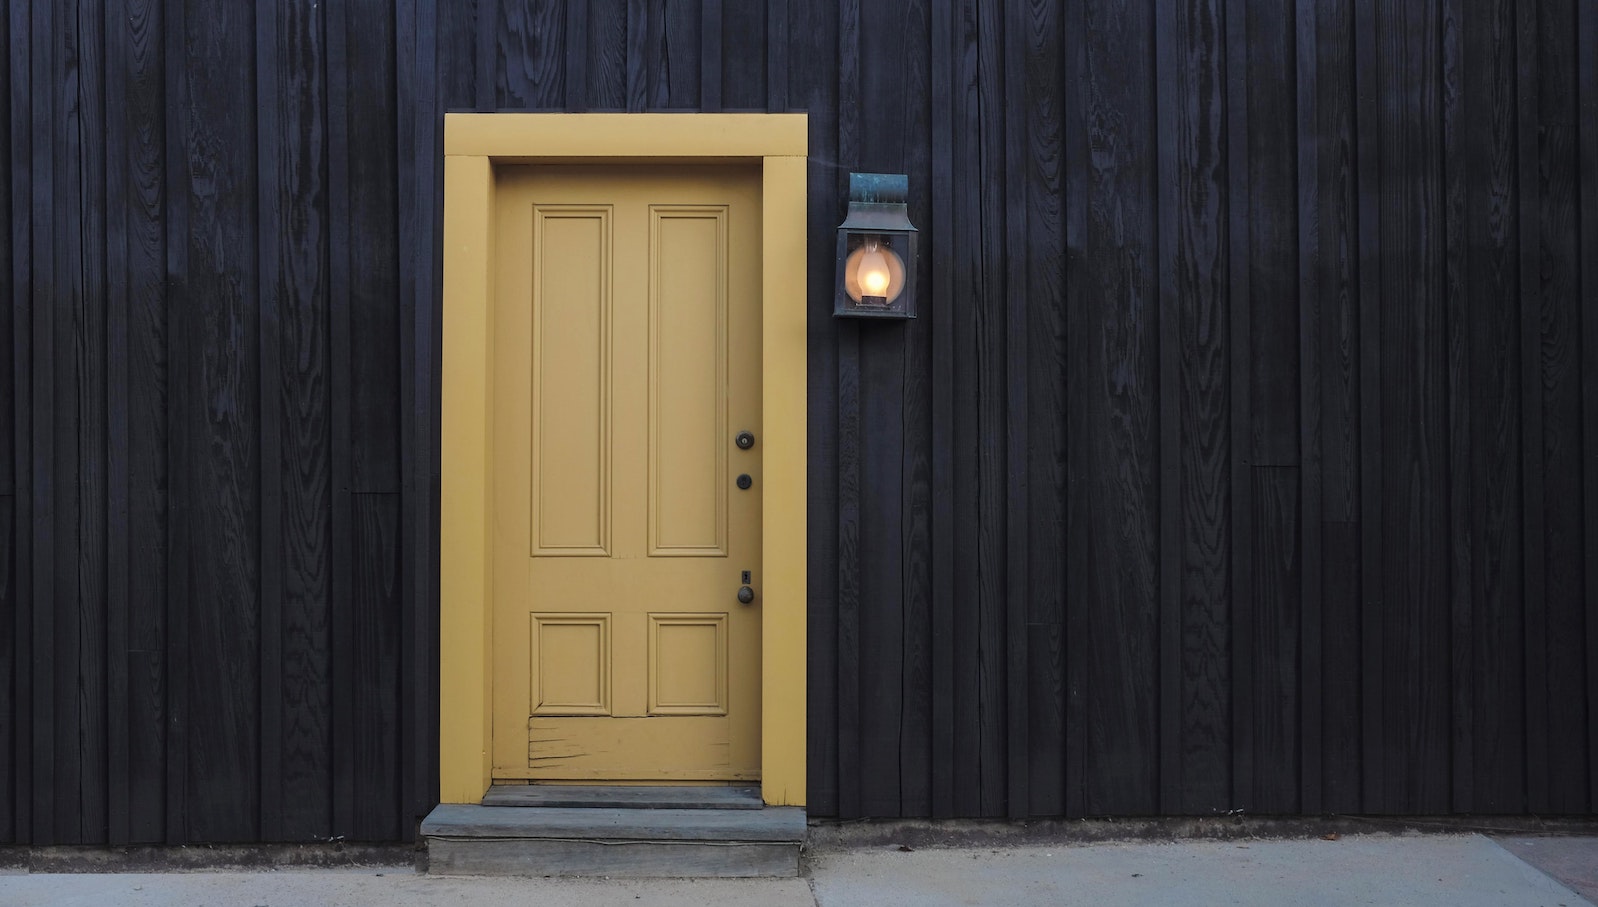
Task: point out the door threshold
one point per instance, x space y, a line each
622 797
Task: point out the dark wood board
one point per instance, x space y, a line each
1559 346
1587 142
814 83
295 287
221 429
1041 325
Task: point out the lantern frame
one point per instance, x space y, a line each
878 209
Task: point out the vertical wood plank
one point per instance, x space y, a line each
223 428
883 59
8 661
1276 563
1121 388
1587 139
1241 435
1078 461
744 49
11 652
150 497
576 47
606 22
1414 410
1338 425
1559 370
118 298
341 287
92 441
1534 588
1017 595
375 667
372 350
41 444
814 31
710 56
988 335
68 323
1195 479
850 745
679 69
19 304
531 69
914 158
295 380
942 90
270 226
637 55
967 275
777 75
1166 45
181 376
1310 328
1461 542
1368 181
1043 321
1273 415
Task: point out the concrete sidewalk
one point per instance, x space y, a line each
1409 869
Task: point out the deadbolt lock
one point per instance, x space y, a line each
744 440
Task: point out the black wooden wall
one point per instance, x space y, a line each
1245 455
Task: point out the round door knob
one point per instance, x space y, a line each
744 440
744 481
745 594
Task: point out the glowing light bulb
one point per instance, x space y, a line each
874 275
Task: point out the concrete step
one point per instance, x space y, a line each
623 796
616 843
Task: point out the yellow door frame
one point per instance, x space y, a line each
473 144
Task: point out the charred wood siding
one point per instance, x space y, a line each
1245 454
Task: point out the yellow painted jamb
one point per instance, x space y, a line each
464 722
784 415
624 135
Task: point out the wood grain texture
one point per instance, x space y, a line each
1194 444
814 83
375 669
1559 383
295 287
1587 143
1120 297
913 153
531 70
221 428
1041 323
1534 566
940 318
1241 349
18 301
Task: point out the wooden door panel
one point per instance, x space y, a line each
626 359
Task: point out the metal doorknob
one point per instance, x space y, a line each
745 594
744 440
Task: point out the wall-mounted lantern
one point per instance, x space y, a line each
876 250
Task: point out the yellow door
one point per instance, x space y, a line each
625 366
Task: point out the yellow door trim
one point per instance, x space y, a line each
473 143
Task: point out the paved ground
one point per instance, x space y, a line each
1411 869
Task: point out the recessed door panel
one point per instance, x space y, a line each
571 382
688 381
